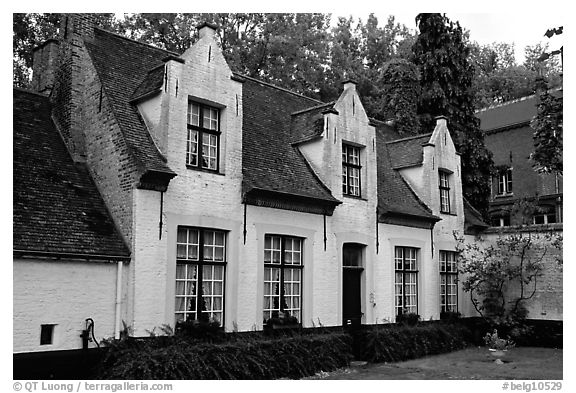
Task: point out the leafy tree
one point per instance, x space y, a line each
548 134
497 76
398 89
446 81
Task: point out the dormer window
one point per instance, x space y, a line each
203 141
444 191
351 170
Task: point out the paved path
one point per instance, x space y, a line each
471 363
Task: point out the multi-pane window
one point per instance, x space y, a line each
448 281
545 215
505 181
200 270
282 276
203 139
444 191
406 282
500 220
351 169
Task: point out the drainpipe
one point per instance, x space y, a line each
118 300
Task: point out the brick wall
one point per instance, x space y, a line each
44 66
69 82
547 301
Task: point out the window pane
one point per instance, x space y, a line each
193 114
192 148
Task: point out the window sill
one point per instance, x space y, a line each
449 214
507 195
355 197
195 168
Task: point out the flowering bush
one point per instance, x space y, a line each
494 342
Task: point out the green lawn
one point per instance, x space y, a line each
470 363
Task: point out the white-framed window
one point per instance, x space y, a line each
500 220
448 281
200 273
203 140
545 215
406 280
351 170
505 181
444 180
282 277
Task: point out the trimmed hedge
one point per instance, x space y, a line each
248 358
393 343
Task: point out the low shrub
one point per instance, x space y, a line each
242 358
408 319
396 343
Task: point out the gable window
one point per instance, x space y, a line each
203 140
200 272
351 170
282 277
444 178
406 281
448 281
505 181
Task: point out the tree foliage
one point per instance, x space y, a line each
548 134
446 82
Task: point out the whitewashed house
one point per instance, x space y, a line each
224 197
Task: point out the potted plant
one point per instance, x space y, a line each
496 345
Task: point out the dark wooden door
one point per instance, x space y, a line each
351 303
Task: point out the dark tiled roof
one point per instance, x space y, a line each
472 218
387 133
309 124
122 67
408 151
57 208
394 195
513 113
269 161
152 83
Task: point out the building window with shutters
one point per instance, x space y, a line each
200 274
282 277
203 140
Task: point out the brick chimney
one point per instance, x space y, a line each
68 92
44 66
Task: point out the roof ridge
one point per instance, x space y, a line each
277 87
29 91
514 101
136 41
313 108
410 138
